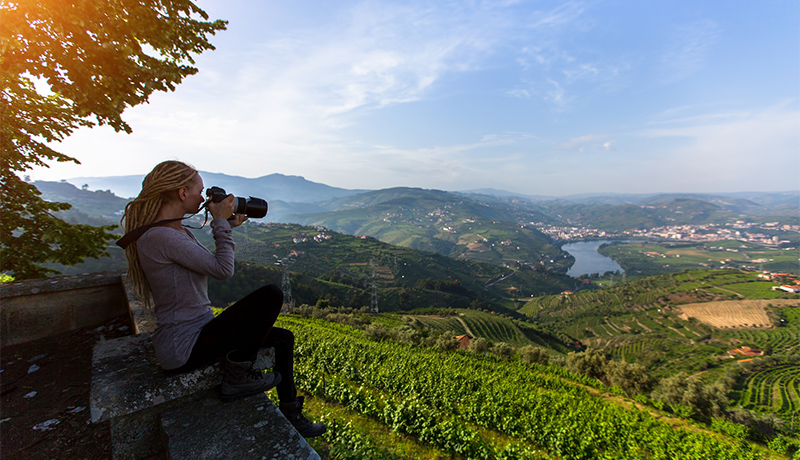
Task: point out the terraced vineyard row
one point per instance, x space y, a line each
632 349
479 324
494 328
441 323
474 407
773 390
782 340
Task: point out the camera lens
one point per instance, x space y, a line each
254 207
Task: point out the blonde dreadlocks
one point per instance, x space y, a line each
166 177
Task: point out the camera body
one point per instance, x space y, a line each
252 207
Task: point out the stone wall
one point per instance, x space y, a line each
34 309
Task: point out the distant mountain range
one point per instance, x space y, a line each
295 199
274 187
487 225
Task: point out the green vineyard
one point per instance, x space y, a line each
473 406
477 324
772 390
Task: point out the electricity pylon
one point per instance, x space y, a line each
286 283
373 308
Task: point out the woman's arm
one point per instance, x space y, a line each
165 245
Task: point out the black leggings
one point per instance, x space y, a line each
245 327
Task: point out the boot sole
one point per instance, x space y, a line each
237 396
313 434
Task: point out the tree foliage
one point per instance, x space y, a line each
479 345
688 397
502 350
632 378
591 363
533 355
66 64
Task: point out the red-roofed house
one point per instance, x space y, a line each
745 351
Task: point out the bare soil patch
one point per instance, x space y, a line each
733 314
681 297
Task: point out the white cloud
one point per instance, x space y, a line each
590 141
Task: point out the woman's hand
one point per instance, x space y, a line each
223 209
237 220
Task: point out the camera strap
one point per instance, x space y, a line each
136 233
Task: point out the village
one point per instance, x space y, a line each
749 232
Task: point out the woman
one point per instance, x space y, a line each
169 263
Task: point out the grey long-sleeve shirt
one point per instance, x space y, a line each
177 267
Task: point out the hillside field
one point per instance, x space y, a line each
461 405
734 314
652 258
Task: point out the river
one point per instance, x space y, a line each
588 260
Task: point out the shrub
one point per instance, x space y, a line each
479 345
406 334
533 355
591 363
502 350
446 341
689 398
377 332
632 378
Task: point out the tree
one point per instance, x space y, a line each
377 331
479 345
632 378
688 397
406 333
502 350
98 58
591 363
533 355
446 341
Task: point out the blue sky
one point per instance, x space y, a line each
535 97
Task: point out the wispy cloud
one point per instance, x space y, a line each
689 49
376 93
758 148
588 142
552 68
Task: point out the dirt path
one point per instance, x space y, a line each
466 328
727 290
642 325
502 278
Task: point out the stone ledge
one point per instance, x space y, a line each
126 377
144 319
34 309
58 283
250 428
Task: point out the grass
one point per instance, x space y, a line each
653 258
756 289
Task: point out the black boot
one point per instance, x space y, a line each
294 413
241 380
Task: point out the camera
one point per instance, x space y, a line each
253 207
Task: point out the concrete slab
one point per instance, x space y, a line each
34 309
251 428
126 377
